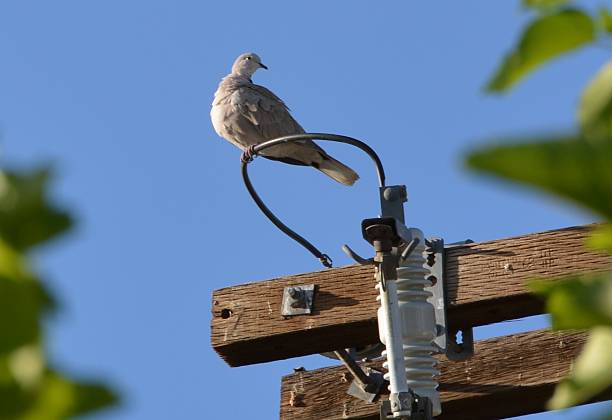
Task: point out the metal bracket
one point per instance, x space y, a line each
372 390
458 352
297 300
435 262
446 340
421 408
392 199
367 383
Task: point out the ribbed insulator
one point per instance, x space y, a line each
418 325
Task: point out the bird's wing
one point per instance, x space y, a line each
267 113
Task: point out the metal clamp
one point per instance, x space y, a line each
367 384
447 338
297 300
420 408
435 262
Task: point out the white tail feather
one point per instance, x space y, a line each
338 171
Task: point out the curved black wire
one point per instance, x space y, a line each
325 260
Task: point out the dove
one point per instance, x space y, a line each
246 114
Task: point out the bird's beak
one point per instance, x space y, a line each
263 66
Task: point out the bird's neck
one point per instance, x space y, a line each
239 77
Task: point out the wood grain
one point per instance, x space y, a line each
485 284
507 376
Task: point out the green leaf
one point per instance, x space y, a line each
543 4
545 38
26 216
14 398
21 307
53 397
60 398
571 168
601 238
23 300
591 374
578 302
605 20
595 110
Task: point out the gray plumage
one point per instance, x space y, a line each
247 114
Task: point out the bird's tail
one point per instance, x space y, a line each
337 170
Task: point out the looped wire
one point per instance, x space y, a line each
326 260
252 151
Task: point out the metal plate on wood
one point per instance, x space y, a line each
297 300
435 263
372 391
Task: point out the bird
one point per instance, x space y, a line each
246 114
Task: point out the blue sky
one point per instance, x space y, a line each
117 94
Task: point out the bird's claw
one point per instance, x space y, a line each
248 154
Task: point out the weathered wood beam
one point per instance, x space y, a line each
485 282
506 377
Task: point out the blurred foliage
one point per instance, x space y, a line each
591 373
29 388
578 302
576 167
595 110
601 239
569 167
26 218
605 20
545 38
543 4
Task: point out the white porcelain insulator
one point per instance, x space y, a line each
418 325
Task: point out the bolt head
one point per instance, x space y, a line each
395 193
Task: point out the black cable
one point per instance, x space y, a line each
325 260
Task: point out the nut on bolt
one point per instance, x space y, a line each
299 297
297 300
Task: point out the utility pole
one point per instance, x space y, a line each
506 376
405 329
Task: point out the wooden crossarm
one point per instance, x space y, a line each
507 376
485 282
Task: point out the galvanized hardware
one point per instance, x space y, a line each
392 199
297 300
401 402
382 234
363 353
367 384
458 352
356 257
371 392
420 408
409 249
435 262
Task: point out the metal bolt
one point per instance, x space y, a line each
299 297
395 193
293 292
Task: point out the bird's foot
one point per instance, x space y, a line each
248 154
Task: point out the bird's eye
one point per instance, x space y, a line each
247 58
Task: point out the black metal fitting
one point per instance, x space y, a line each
420 408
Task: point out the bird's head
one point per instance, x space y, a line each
246 64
